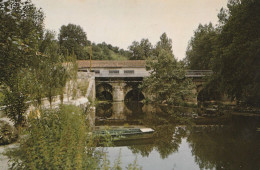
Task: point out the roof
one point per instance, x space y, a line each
111 63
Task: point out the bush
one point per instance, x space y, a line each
56 140
8 133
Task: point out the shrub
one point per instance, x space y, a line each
8 133
56 140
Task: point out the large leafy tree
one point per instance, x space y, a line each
167 82
237 54
140 51
72 40
199 54
21 28
29 58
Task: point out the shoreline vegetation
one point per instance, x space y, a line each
59 139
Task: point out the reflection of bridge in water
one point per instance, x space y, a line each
119 80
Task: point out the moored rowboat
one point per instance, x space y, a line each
124 131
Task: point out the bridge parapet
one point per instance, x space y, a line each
198 73
121 72
127 68
143 73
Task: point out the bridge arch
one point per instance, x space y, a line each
132 92
104 91
134 95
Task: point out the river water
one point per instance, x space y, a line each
183 139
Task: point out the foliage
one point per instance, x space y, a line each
231 51
56 140
31 67
200 50
59 139
105 51
210 91
237 53
165 44
167 81
21 27
2 96
72 40
140 51
8 133
17 96
54 75
48 74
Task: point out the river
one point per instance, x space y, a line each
182 138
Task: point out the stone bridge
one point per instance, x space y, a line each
119 80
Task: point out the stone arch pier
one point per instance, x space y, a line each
119 89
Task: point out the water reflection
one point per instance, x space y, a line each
224 142
233 146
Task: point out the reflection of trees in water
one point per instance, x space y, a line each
235 146
168 134
169 116
135 107
143 150
232 146
166 140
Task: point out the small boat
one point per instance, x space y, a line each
123 131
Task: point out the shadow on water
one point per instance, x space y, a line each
223 142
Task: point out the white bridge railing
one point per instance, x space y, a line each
142 73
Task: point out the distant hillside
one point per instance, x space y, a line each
105 51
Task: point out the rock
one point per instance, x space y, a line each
8 133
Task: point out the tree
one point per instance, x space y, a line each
140 51
73 39
237 55
165 43
53 74
167 81
105 51
16 97
21 28
200 51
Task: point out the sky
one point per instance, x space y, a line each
120 22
